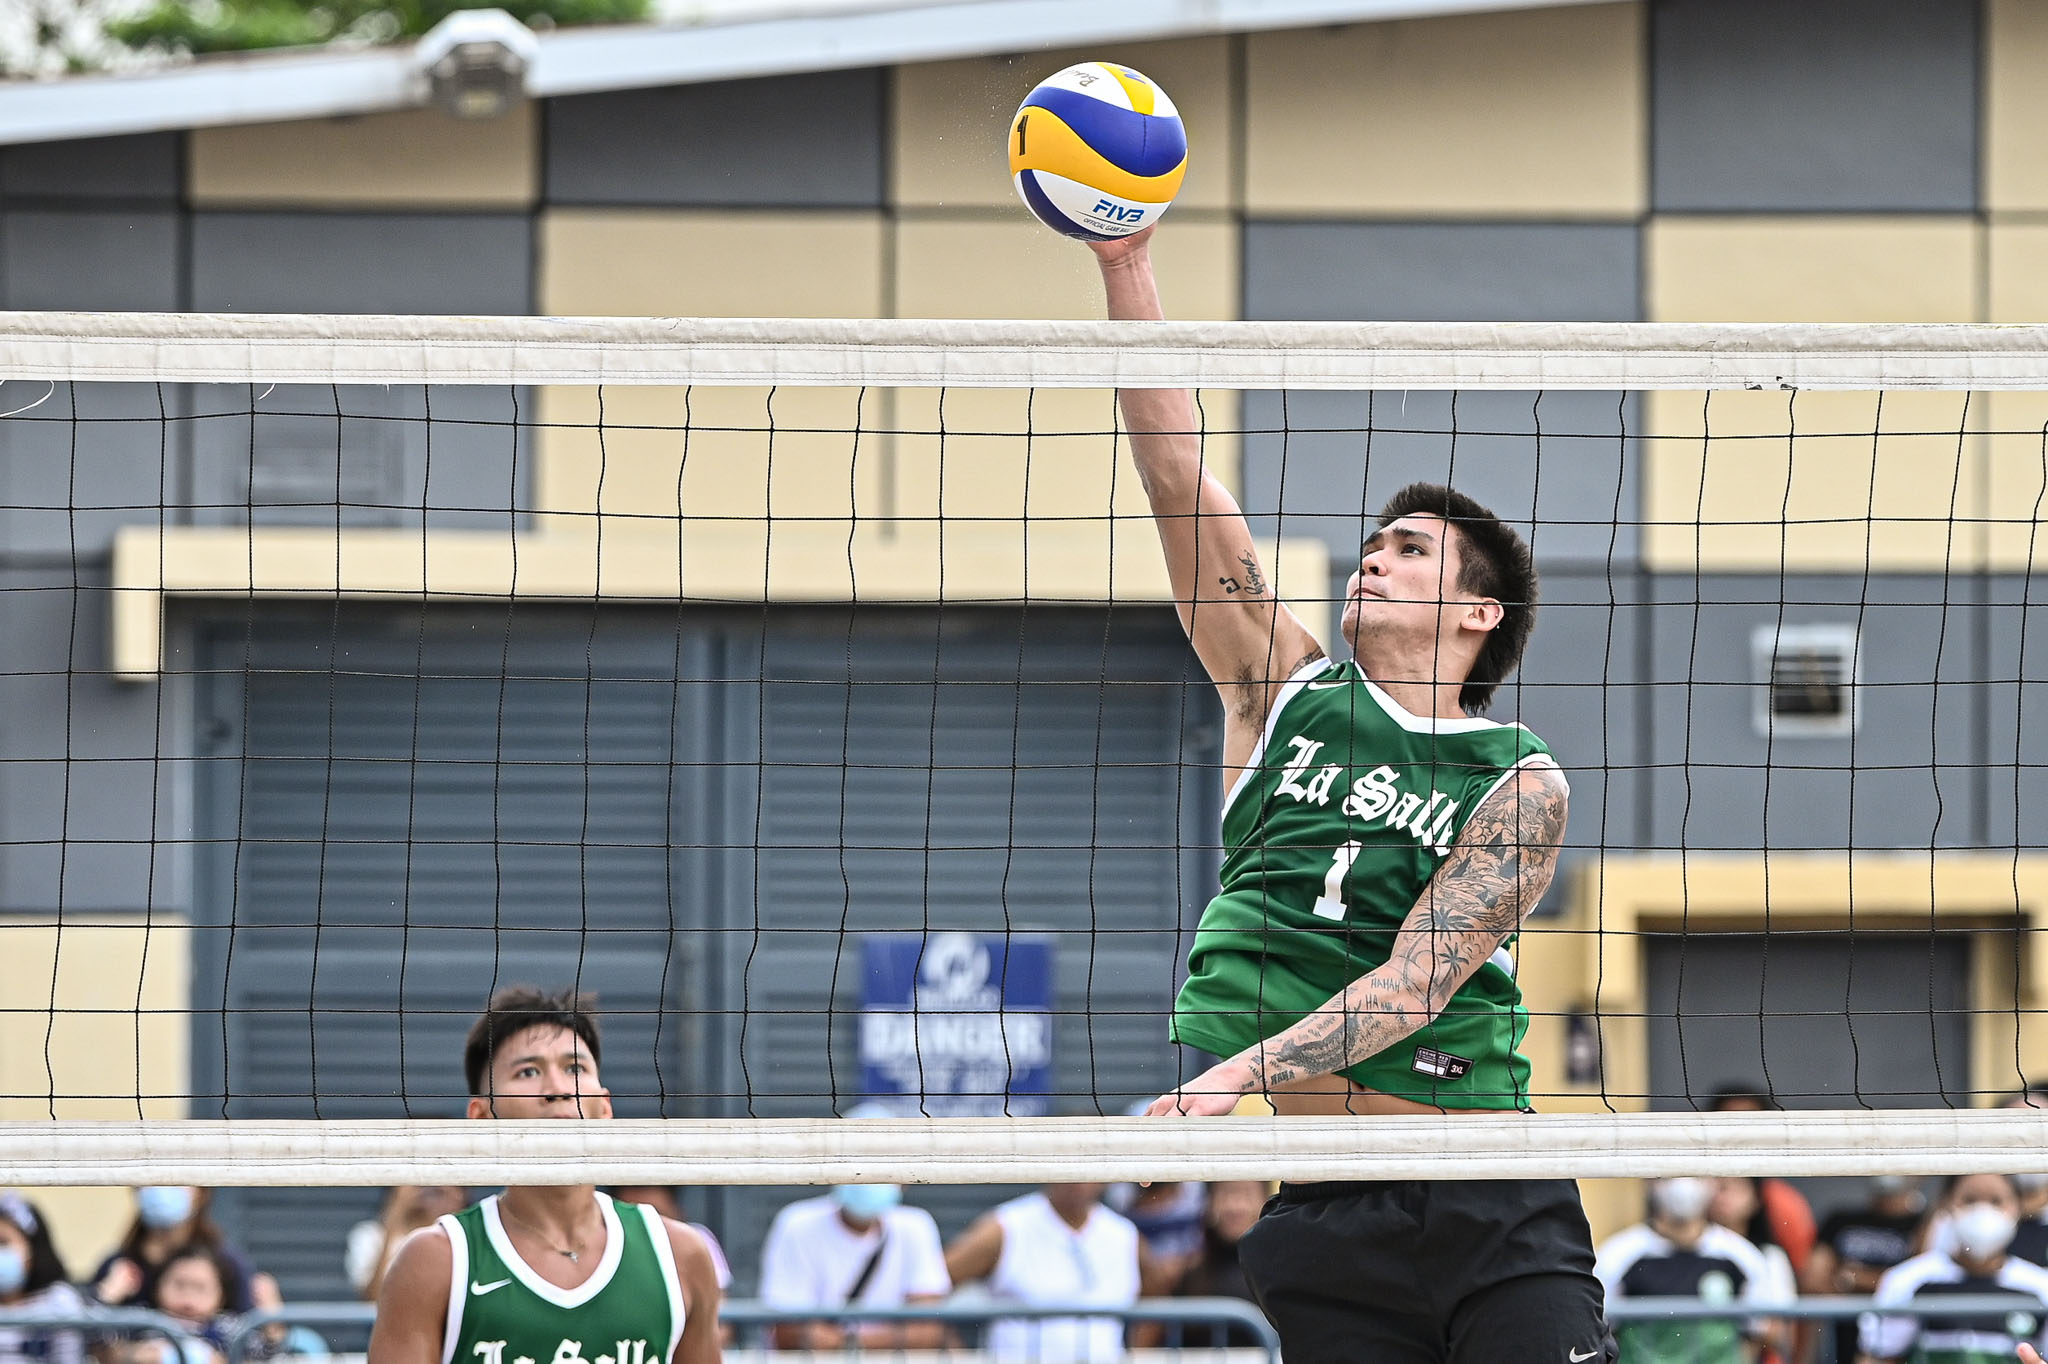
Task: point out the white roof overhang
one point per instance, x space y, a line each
723 40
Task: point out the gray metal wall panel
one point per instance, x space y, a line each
145 166
1867 105
1821 1021
1578 689
89 260
1324 461
1907 779
362 262
82 803
2015 695
296 454
84 461
813 140
1442 272
1561 467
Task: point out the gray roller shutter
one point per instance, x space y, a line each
697 817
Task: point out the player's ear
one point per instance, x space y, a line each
479 1107
1483 614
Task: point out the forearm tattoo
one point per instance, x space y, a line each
1495 874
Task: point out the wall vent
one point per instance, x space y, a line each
1806 680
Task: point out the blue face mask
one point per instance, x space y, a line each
866 1202
13 1271
163 1206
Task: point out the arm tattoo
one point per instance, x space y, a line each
1495 874
1254 580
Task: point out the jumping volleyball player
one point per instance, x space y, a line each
546 1274
1381 847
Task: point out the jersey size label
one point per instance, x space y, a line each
1441 1064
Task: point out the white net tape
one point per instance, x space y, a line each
1007 1150
288 348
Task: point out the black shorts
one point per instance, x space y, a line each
1429 1272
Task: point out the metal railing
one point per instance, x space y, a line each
751 1313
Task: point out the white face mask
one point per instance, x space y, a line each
1982 1230
1682 1200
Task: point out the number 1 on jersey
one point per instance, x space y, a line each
1331 906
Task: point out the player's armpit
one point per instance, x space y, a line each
412 1306
700 1339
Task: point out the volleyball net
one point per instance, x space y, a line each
812 693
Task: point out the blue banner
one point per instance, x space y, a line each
957 1024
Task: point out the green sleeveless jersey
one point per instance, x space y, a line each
629 1311
1348 806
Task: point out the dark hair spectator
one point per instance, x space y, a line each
168 1218
33 1283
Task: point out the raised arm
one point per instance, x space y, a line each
1249 642
1495 874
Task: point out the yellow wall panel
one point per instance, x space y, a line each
691 263
1539 111
2015 481
951 119
2017 271
417 157
1752 482
967 267
2015 105
1812 269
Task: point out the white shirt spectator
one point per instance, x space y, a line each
812 1259
1933 1275
1045 1261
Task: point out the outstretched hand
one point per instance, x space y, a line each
1212 1094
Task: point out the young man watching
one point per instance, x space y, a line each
546 1274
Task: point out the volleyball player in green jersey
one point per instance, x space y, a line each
1382 843
546 1274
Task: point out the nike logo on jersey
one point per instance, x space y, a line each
479 1289
1578 1358
1325 686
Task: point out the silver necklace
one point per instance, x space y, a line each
571 1255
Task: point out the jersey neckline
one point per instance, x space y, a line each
600 1277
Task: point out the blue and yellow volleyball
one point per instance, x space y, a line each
1097 151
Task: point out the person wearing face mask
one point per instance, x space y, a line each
1979 1214
1680 1252
32 1283
169 1218
858 1246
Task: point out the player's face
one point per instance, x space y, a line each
1407 583
543 1072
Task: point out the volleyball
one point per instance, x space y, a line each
1097 151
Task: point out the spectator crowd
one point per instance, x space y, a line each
1744 1248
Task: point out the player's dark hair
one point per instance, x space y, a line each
1493 562
516 1008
